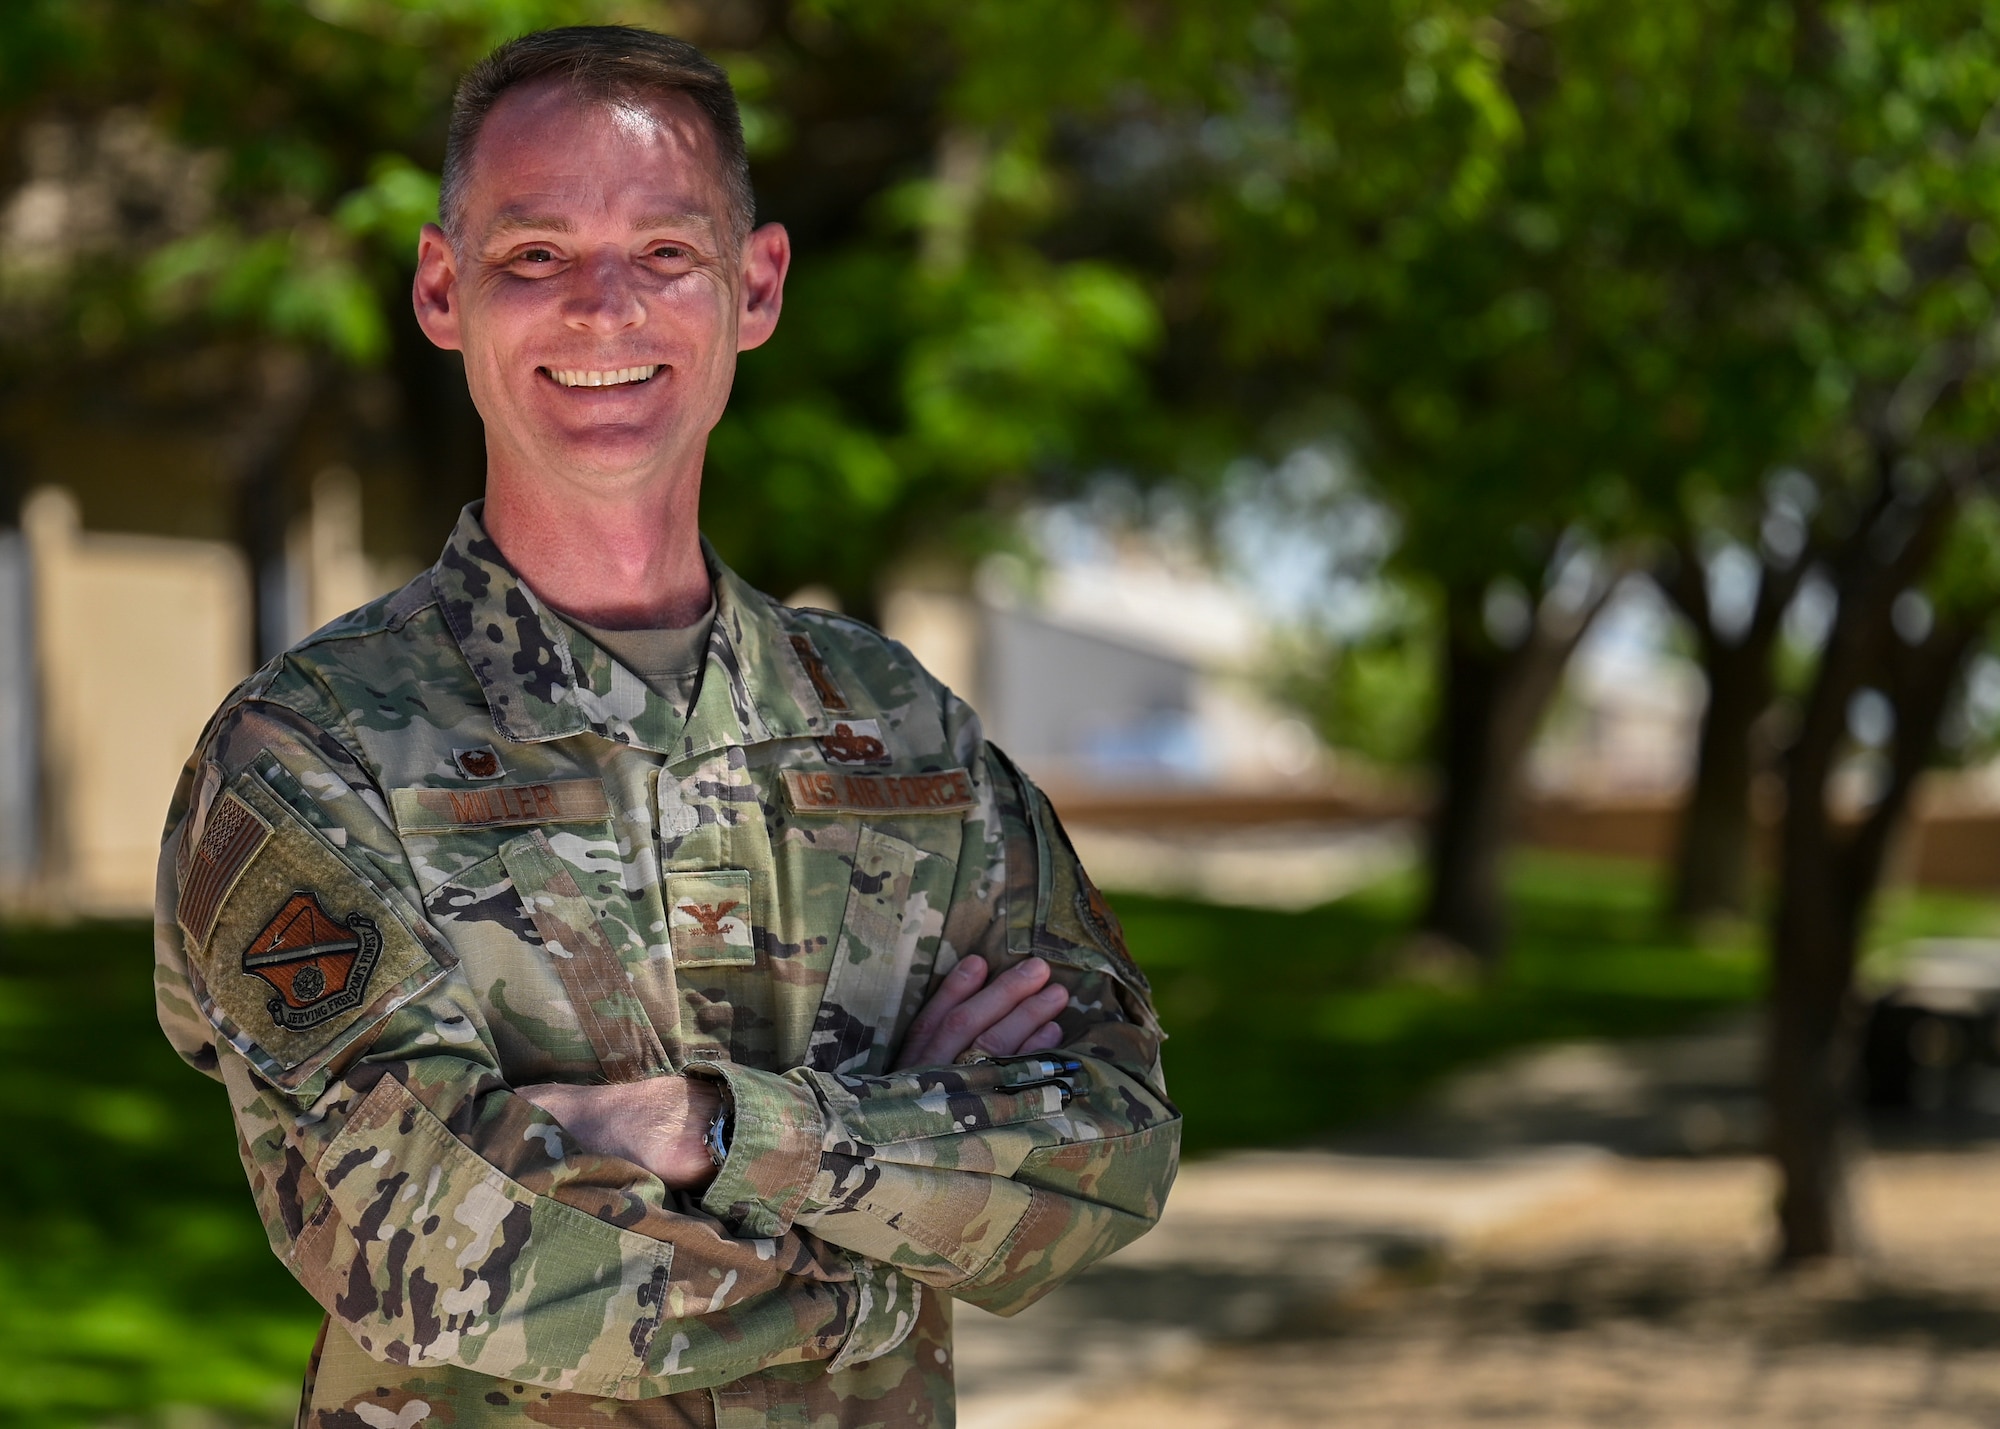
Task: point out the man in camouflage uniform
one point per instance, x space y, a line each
611 1043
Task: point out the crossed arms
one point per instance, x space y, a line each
572 1235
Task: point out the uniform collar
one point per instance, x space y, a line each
544 680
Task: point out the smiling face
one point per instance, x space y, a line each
596 288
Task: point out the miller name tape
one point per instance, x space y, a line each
561 801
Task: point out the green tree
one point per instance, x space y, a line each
1905 475
1537 268
934 352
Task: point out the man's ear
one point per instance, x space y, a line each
767 256
434 294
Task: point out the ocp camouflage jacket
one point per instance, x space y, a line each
447 847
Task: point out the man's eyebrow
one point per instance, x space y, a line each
523 221
682 218
516 221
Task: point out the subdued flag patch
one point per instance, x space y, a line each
234 833
318 965
809 791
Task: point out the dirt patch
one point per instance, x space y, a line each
1649 1303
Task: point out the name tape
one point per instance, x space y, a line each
562 801
809 791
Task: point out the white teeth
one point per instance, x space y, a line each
613 378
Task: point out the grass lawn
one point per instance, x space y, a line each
1283 1026
135 1286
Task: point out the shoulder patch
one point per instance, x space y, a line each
302 953
318 967
1075 922
947 791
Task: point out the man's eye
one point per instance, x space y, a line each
670 250
537 255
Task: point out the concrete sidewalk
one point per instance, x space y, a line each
1576 1235
1249 1245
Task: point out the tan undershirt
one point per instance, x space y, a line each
669 661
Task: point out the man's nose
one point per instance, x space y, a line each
604 298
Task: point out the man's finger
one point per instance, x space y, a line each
951 1031
920 1044
959 984
1044 1038
964 1027
1010 1034
993 1002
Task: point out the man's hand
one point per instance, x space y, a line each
1014 1013
660 1123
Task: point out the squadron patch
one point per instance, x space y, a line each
948 791
318 966
855 741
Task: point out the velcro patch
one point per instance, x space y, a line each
948 791
708 917
561 801
305 954
855 741
234 833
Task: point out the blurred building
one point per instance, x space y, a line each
114 651
1120 673
1626 722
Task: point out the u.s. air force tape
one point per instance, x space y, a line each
813 791
559 801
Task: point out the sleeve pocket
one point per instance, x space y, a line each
295 952
437 1266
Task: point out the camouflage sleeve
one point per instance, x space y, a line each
996 1180
436 1216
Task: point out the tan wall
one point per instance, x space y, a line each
1949 844
138 640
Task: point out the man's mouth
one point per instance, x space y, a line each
613 377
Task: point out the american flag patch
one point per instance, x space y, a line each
234 834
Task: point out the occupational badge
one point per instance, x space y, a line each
480 763
855 741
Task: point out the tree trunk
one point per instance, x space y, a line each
1492 702
1828 875
1714 855
1717 835
1807 1054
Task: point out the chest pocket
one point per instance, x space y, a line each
870 990
608 1007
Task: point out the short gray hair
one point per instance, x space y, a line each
602 64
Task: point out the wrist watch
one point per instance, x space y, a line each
717 1139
